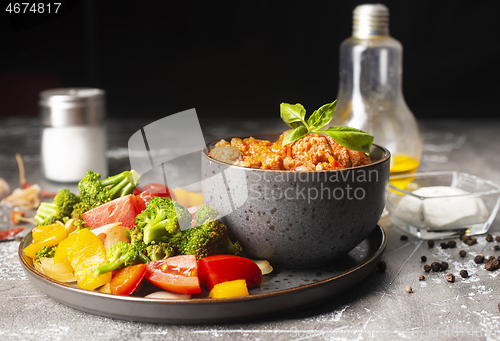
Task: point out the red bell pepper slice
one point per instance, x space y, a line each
177 274
126 280
223 268
147 191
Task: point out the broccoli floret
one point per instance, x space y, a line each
183 215
155 249
96 192
61 208
205 214
162 219
120 255
80 209
136 236
79 224
207 240
46 251
160 250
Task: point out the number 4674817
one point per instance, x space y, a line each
25 7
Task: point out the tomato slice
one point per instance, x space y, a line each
122 210
147 191
224 268
176 274
126 280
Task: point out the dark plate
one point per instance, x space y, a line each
284 290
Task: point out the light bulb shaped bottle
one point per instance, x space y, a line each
370 93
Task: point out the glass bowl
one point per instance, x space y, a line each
442 204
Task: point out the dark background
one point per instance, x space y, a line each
241 59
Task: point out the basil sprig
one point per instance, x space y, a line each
351 138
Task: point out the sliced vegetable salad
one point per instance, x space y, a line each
115 234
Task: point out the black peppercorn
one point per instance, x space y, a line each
430 243
444 266
479 259
436 267
404 238
423 259
450 278
497 238
381 266
421 277
492 265
427 268
452 244
496 247
444 245
464 273
465 238
489 238
472 241
462 253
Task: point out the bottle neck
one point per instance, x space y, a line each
370 21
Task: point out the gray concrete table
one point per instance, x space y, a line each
378 308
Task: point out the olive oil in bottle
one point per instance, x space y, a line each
403 164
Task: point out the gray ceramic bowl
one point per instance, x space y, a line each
297 219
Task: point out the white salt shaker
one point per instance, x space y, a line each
73 133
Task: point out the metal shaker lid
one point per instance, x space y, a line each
370 20
72 106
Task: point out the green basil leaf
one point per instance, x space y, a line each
351 138
322 116
291 114
294 135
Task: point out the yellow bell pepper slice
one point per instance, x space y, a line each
51 238
106 288
229 289
64 247
85 255
39 231
186 198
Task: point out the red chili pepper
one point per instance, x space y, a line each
10 233
16 217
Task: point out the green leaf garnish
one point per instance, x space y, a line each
294 135
350 138
322 116
292 114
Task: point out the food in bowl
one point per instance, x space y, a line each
297 219
303 148
313 152
304 200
